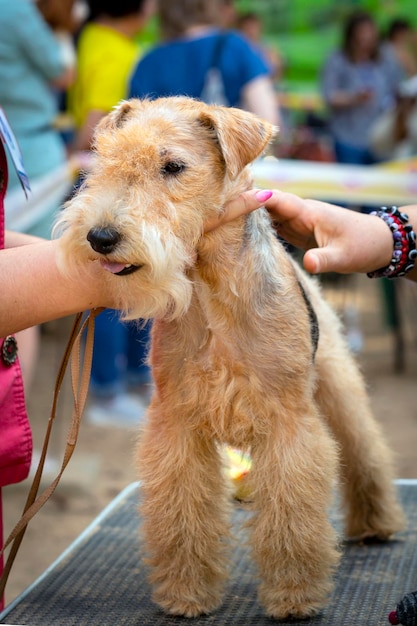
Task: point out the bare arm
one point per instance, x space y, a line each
346 100
260 98
65 79
13 239
34 290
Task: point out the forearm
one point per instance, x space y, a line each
335 239
34 290
13 239
260 98
342 100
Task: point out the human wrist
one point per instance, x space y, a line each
95 286
85 283
402 246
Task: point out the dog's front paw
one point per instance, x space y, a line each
292 603
188 605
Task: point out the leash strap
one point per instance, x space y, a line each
80 376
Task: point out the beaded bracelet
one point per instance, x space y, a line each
404 253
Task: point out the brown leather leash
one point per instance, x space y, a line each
80 377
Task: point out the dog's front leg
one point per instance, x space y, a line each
185 514
293 541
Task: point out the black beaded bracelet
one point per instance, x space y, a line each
404 253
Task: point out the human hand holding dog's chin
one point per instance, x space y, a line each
45 292
336 239
77 287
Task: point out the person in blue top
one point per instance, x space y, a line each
192 42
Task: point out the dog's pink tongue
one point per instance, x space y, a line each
114 268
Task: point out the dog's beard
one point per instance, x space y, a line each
168 301
160 288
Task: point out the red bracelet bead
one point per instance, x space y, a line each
404 250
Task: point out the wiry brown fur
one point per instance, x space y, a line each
233 362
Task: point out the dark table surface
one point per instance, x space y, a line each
100 579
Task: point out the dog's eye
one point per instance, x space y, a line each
173 167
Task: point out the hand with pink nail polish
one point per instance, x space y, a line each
242 204
335 239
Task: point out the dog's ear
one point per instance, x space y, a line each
116 118
242 136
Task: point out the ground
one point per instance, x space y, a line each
102 463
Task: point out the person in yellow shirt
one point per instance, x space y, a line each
107 49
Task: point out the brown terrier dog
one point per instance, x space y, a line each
245 351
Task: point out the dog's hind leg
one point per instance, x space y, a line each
185 514
294 544
372 509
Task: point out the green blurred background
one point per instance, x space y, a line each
304 31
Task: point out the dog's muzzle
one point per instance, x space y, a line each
105 240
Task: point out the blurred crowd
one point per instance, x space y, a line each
367 88
64 64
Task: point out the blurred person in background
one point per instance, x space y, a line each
356 88
399 47
251 26
227 14
61 15
64 18
394 133
193 43
33 64
107 49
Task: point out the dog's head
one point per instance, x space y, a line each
161 169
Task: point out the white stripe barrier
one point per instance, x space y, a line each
393 183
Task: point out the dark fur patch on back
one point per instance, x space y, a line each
314 324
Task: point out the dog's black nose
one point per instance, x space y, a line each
103 239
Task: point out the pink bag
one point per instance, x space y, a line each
15 431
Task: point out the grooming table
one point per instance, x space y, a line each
100 580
